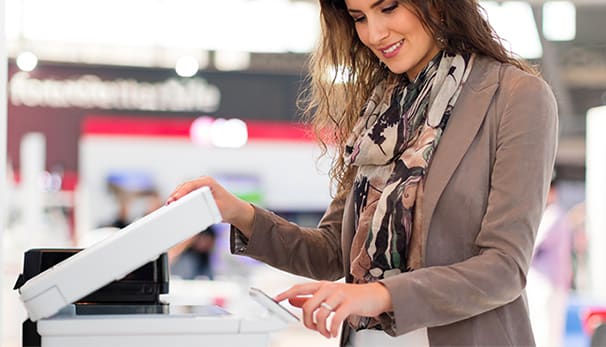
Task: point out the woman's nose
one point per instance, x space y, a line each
377 32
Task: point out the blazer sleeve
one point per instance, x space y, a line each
526 142
310 252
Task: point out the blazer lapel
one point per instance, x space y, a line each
347 234
466 119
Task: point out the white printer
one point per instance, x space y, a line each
107 295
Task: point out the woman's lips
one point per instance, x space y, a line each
392 50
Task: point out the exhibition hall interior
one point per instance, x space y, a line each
110 105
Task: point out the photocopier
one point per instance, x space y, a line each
108 295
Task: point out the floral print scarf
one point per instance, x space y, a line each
391 146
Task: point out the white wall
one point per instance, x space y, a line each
3 155
595 184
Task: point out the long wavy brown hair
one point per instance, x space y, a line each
343 71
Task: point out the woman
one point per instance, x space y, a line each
432 254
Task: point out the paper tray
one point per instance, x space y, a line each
116 256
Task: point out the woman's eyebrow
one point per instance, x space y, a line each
375 4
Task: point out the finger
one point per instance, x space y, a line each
170 200
308 316
322 314
177 192
342 309
327 309
321 297
340 315
293 294
313 305
308 321
174 197
299 290
186 188
332 304
171 196
298 301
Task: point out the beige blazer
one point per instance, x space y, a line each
484 195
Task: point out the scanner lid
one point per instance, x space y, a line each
116 256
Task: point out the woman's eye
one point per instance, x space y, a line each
390 8
358 19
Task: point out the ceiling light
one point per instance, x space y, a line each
230 60
27 61
520 35
186 66
200 130
559 20
231 133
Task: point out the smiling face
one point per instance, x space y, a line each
394 34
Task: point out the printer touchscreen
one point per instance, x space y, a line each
272 305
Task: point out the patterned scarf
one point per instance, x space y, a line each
391 145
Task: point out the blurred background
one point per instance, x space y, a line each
111 104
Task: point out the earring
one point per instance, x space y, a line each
439 36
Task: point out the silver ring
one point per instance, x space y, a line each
327 306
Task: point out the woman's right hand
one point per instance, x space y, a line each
234 211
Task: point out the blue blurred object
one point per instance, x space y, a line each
131 181
574 334
578 305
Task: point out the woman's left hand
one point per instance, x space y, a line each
339 299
